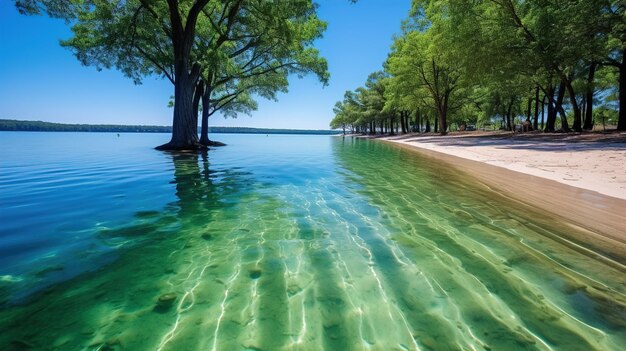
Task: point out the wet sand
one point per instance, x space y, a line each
595 202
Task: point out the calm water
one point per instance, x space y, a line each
281 243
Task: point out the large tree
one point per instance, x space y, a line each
181 40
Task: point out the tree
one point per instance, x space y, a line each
168 38
416 58
615 19
349 112
340 120
372 98
550 43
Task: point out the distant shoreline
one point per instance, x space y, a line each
10 125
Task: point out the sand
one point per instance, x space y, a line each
579 179
593 162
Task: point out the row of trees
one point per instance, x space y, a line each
492 61
218 54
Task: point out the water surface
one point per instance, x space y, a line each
281 243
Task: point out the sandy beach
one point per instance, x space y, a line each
592 162
579 178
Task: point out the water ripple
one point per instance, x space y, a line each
289 243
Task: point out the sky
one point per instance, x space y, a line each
40 80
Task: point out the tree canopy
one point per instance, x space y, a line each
505 61
223 53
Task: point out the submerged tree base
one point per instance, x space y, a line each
196 146
182 147
212 143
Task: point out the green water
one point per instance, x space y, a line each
355 245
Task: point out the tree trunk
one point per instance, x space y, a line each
552 111
578 123
443 114
184 124
588 125
443 123
407 121
436 127
529 109
543 111
418 121
197 98
427 124
204 129
583 108
509 111
536 121
564 123
621 122
559 107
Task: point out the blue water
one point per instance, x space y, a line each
282 243
56 188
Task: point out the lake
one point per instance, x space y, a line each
282 243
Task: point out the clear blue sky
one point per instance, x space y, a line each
39 80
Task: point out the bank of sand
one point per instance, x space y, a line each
580 178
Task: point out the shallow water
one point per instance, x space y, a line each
281 243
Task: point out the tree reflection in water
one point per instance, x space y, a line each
99 308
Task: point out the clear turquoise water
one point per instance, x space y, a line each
281 243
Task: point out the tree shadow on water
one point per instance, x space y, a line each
200 191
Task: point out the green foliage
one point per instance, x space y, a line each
605 116
238 50
276 42
469 61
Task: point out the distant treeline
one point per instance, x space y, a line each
39 126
